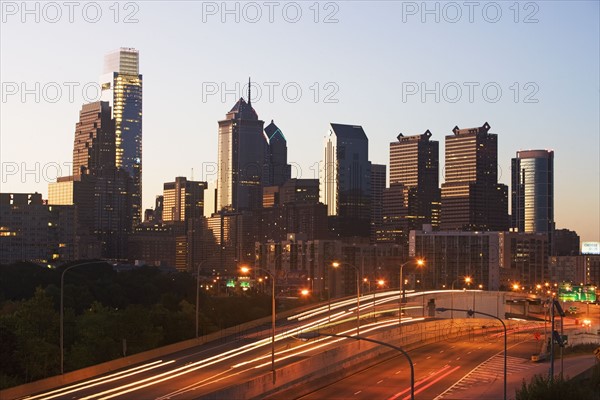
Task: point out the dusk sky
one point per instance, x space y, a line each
529 69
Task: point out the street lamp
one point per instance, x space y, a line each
420 263
468 282
470 313
198 294
62 312
310 335
380 285
245 270
336 264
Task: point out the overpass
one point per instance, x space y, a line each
240 362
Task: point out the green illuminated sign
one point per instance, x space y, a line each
568 292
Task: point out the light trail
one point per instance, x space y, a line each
99 381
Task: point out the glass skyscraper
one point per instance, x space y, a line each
122 87
533 191
345 181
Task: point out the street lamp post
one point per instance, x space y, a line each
272 277
310 335
420 263
337 264
380 284
470 313
198 295
62 312
467 281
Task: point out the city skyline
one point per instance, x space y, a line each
519 125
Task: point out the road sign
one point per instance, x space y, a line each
597 353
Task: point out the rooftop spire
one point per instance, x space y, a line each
249 101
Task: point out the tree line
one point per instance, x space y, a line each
107 314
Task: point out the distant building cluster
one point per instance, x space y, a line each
256 213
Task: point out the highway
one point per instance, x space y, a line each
441 366
206 369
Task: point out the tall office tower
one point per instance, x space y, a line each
378 183
242 158
99 189
414 163
94 146
183 200
121 85
279 169
532 192
472 198
345 181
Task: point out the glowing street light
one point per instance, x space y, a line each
244 269
336 264
467 281
420 263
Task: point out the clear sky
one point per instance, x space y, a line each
530 69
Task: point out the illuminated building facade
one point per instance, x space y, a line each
414 163
94 145
182 200
472 198
242 160
345 181
31 230
532 192
122 87
100 191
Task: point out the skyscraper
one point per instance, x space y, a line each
122 87
414 163
183 200
472 199
532 192
94 145
345 182
99 189
279 169
242 158
378 183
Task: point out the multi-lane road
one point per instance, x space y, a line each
440 368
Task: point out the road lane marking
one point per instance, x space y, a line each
397 372
488 371
357 392
441 351
457 358
419 382
380 381
428 357
433 382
